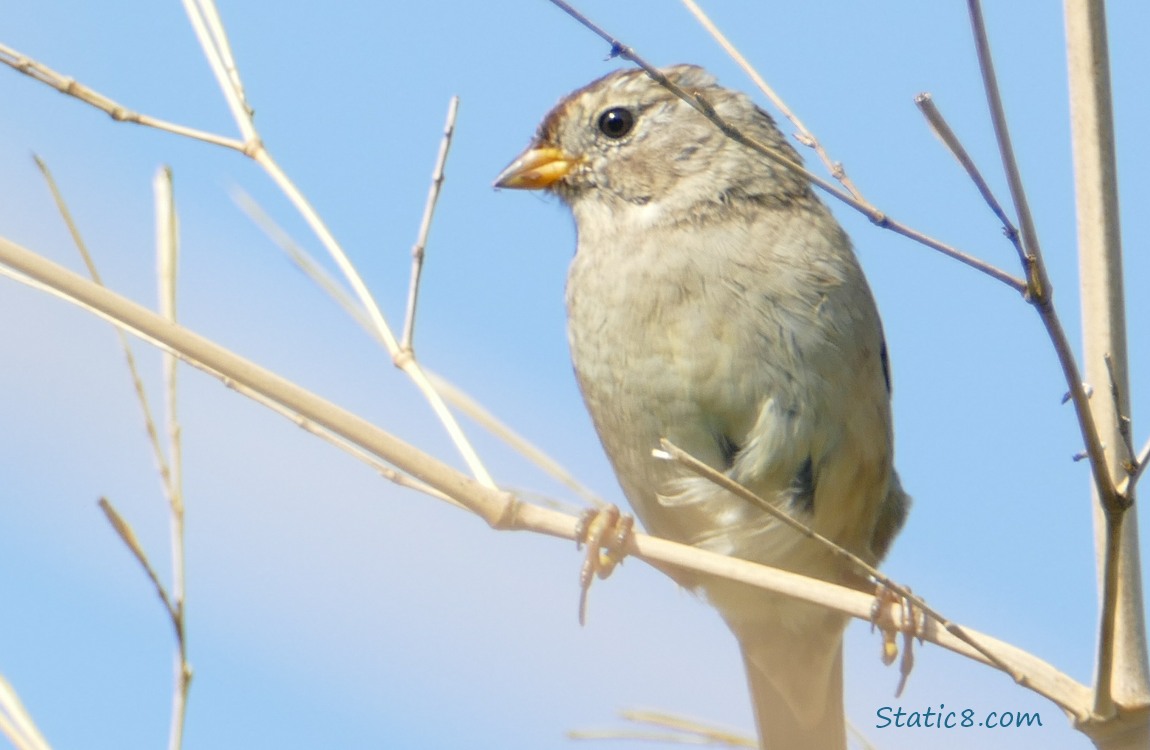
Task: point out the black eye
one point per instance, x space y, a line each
616 122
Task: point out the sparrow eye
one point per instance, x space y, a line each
616 122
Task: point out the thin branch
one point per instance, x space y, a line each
253 147
1139 469
169 472
387 472
133 370
700 103
73 88
451 393
375 315
1038 289
128 536
167 269
501 510
205 20
942 129
689 726
721 480
803 134
15 722
417 251
1038 284
678 731
488 421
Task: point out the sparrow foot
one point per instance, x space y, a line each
910 624
606 533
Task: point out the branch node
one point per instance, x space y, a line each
403 357
508 518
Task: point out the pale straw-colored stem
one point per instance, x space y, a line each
502 510
1122 672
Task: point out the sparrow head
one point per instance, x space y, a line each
627 140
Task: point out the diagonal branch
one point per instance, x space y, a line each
722 480
209 30
803 134
942 129
71 87
500 509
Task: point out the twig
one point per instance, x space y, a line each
1038 289
166 227
500 509
942 129
133 370
417 251
209 31
205 20
213 41
15 722
355 451
1038 284
71 87
128 536
803 134
451 393
1139 469
482 416
167 269
700 103
721 480
683 731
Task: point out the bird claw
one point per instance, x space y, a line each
911 624
606 533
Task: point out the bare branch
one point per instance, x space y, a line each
73 88
677 730
167 270
205 20
500 509
803 134
1139 469
417 251
128 536
945 134
451 393
1122 671
482 416
15 722
1038 289
723 481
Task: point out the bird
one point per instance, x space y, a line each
714 301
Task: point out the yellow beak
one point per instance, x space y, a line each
535 169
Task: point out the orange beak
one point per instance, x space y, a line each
535 169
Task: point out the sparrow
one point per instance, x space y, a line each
714 301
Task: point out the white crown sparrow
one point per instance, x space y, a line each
713 300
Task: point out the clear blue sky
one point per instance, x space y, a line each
326 607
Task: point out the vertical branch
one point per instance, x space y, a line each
167 251
1038 289
1122 671
417 251
205 20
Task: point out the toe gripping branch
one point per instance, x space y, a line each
911 623
605 532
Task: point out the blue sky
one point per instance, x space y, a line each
327 607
